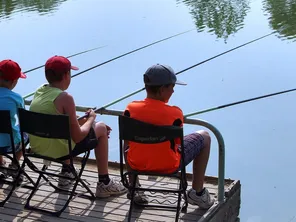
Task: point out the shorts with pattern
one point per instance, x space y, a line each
18 146
193 144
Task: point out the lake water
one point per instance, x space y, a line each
259 135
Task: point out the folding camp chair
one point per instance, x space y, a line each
54 127
140 132
6 128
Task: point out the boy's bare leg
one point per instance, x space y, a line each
101 150
19 154
2 161
200 162
130 177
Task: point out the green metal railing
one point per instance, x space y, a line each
221 165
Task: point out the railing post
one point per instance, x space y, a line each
221 166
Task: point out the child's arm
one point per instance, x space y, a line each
65 103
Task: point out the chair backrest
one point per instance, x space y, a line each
44 125
5 126
137 131
140 132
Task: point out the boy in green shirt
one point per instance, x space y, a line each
51 98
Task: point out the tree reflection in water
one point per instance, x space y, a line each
221 17
8 7
282 17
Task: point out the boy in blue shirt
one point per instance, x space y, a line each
10 72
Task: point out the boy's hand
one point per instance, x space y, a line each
82 121
91 114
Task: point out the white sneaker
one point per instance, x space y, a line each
63 182
204 201
113 188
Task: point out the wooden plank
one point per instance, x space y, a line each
81 203
110 209
106 213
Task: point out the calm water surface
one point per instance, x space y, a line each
259 136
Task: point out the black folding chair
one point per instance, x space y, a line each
141 132
55 127
6 128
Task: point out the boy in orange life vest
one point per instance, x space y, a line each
159 84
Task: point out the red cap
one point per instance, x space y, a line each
11 70
59 64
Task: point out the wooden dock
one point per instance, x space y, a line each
116 208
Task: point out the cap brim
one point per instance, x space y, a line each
180 83
23 75
74 68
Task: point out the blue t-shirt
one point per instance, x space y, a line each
10 100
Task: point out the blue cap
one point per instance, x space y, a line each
158 75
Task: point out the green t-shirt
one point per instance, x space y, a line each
43 102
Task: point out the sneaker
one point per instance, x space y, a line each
63 182
139 197
204 201
113 188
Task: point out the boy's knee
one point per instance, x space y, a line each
206 136
100 129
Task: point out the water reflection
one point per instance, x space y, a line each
222 17
282 17
9 7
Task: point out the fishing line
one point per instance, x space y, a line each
239 102
125 54
89 50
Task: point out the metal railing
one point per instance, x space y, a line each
221 145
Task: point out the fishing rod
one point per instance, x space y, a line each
125 54
239 102
76 54
184 70
102 109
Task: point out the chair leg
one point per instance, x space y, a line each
27 205
69 199
14 184
185 206
78 179
83 164
132 198
179 201
25 173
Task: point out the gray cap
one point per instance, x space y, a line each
158 75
